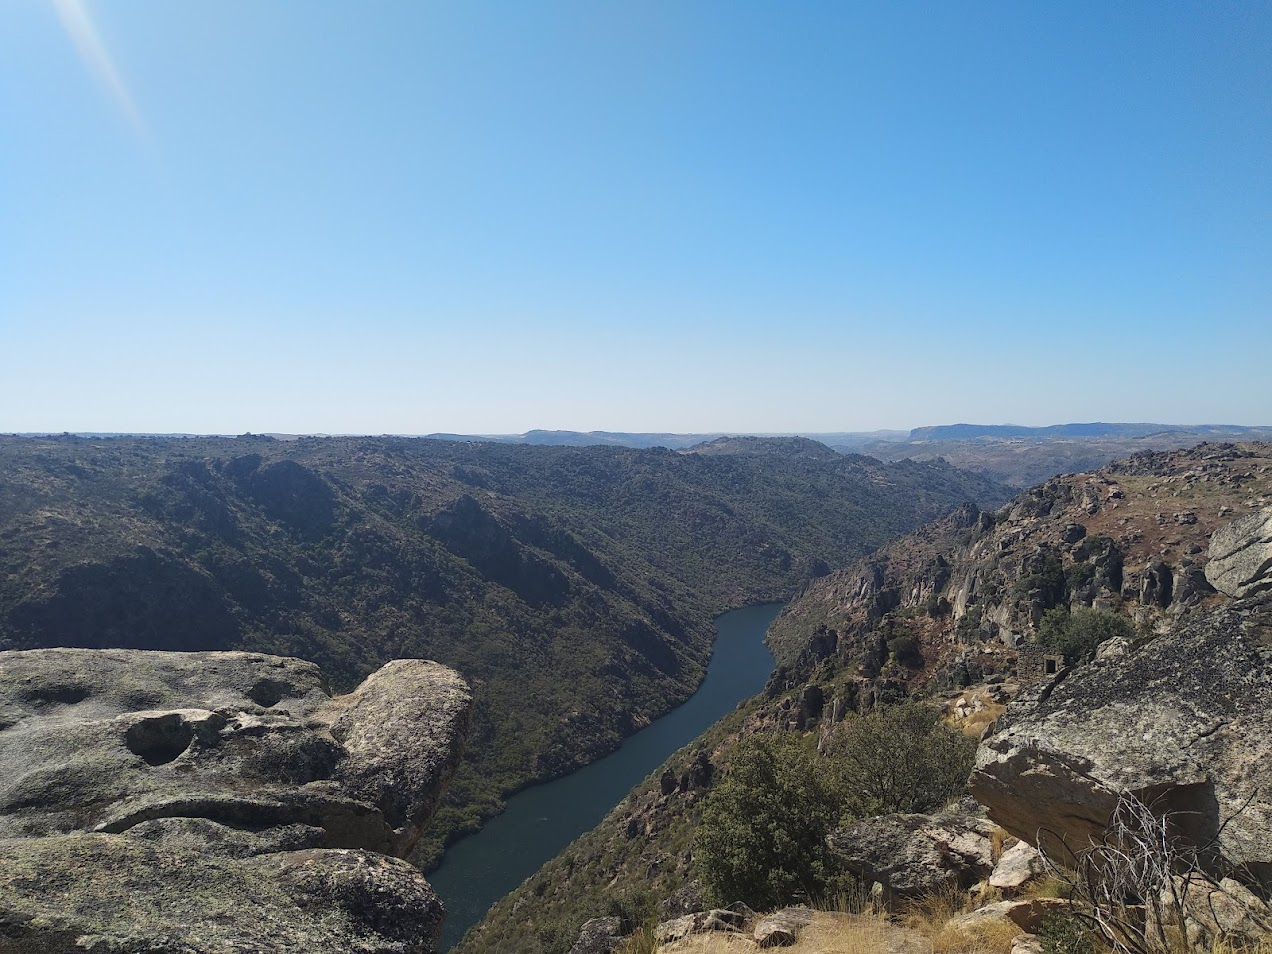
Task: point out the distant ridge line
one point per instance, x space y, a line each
681 441
963 432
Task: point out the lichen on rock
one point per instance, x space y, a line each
194 802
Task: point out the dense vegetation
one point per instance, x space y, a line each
573 586
899 758
757 834
762 838
1077 634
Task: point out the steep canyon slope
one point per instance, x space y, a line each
551 578
958 603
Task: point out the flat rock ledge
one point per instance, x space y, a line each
190 803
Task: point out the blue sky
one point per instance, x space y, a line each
486 217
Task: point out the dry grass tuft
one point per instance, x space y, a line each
986 937
933 917
995 936
854 897
976 723
841 934
996 839
712 944
829 933
951 940
1048 886
639 943
1264 946
930 914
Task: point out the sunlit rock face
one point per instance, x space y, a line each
210 799
1184 721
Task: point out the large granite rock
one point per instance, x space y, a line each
601 936
916 855
731 919
781 928
68 894
1183 722
274 803
1019 864
1240 557
1211 916
402 732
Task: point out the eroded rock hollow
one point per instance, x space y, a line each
193 802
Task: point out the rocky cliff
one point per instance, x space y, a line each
961 597
201 802
951 613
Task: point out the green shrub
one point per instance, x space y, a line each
762 838
637 909
905 650
1062 935
1076 635
969 622
899 758
1079 575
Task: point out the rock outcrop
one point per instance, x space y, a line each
196 801
1019 864
731 919
1029 914
961 600
916 855
781 928
1241 556
600 936
1210 914
399 732
1183 722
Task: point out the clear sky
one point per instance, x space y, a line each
409 216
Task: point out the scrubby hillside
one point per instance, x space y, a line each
550 577
959 612
969 589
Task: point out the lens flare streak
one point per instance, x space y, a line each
83 33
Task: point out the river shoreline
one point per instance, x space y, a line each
540 820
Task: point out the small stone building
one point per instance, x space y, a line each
1035 665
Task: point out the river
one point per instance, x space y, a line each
541 820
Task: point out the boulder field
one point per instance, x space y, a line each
198 802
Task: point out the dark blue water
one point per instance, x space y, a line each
539 821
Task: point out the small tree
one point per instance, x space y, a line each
1076 635
899 758
762 838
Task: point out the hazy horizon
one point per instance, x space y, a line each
665 217
743 432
